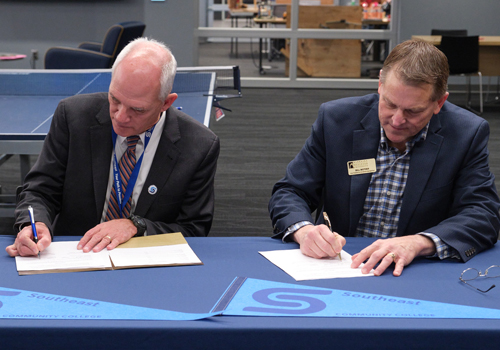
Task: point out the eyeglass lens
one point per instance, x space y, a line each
472 273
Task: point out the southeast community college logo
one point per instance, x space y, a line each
292 301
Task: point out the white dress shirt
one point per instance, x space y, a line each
121 147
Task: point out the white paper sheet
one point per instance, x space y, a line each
178 254
303 268
64 255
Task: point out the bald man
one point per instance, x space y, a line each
121 164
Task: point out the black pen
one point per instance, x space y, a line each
33 226
327 221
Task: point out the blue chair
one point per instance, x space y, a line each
91 55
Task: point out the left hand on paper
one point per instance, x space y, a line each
405 249
108 235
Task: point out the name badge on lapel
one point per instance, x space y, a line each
362 166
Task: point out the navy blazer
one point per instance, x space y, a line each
449 192
67 185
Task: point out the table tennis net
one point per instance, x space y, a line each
227 80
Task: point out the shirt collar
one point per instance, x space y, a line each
421 136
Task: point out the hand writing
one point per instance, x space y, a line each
24 244
319 241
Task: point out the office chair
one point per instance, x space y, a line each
277 44
449 32
279 10
90 55
463 58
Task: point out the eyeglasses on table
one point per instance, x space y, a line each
472 273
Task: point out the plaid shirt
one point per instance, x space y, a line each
385 196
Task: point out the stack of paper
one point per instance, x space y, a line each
158 250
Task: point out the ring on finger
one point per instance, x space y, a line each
110 239
393 256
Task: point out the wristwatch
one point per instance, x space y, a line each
139 223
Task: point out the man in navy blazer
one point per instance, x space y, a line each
71 183
402 164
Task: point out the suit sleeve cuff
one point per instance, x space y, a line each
443 250
287 236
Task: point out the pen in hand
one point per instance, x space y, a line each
33 226
327 221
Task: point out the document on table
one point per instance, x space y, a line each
165 255
63 257
159 250
303 268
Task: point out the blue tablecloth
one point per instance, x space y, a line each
197 288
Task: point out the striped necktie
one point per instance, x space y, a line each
126 166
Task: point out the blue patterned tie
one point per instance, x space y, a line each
126 166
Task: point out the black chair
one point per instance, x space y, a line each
463 57
277 44
279 10
449 32
90 55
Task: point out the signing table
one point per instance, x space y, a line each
196 289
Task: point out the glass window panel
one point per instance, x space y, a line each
317 57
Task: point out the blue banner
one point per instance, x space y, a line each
252 297
22 304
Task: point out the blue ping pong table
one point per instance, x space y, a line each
28 99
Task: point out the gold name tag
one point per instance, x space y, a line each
363 166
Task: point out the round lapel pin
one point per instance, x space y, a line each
152 189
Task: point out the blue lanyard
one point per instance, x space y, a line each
117 183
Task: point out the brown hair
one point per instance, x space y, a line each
417 62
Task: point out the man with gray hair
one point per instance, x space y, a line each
404 165
121 164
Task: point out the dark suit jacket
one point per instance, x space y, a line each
450 191
67 185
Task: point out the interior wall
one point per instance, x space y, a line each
40 24
479 17
27 25
173 22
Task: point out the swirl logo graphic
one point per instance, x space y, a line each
290 301
4 293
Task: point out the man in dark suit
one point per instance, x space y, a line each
402 164
101 145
